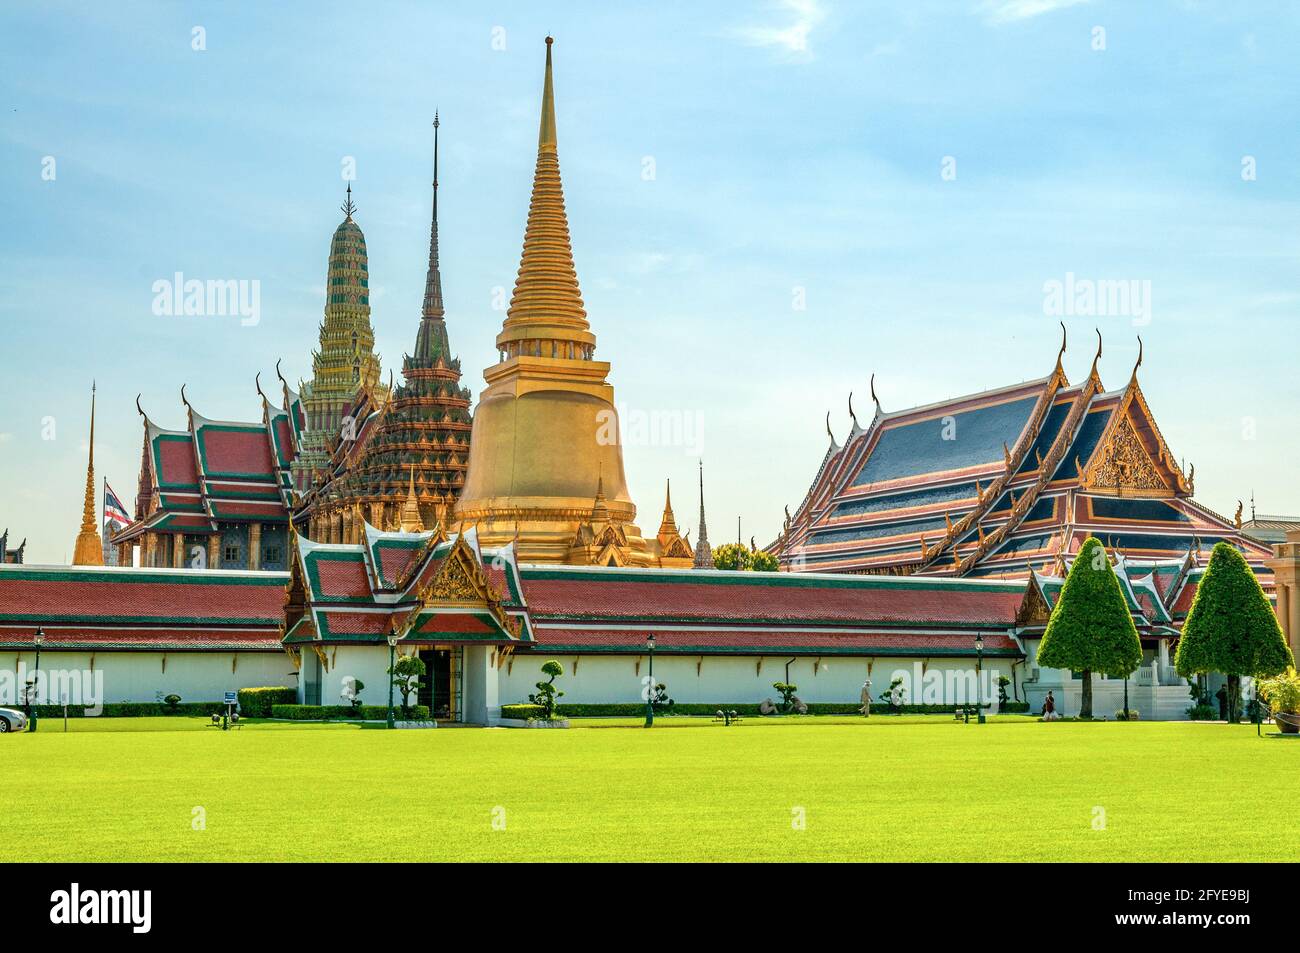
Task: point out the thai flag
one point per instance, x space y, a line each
114 511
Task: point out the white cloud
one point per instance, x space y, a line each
791 37
1008 11
6 437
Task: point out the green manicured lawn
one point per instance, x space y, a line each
920 788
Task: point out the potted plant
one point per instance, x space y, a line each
1282 692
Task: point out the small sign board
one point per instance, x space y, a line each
232 698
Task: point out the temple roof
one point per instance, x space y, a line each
997 483
426 587
214 471
89 607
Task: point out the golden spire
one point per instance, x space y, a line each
546 310
89 549
546 128
599 508
411 521
668 526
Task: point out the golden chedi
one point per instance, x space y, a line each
545 463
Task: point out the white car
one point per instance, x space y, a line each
11 719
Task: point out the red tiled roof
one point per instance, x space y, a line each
395 560
177 463
454 622
766 640
1183 604
236 451
173 639
787 598
342 622
53 593
342 578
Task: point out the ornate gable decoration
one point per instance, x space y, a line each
297 594
1122 463
1034 610
678 548
460 578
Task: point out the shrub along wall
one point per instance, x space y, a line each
522 712
132 709
257 702
348 713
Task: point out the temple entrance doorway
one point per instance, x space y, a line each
440 689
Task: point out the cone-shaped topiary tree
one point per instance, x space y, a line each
1091 628
1231 627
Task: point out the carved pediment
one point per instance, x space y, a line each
610 555
1123 463
678 548
460 578
1034 609
612 536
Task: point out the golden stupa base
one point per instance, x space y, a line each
89 550
564 533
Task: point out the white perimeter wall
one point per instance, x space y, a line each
732 679
368 663
140 676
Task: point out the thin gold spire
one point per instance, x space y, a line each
546 306
546 128
668 525
89 549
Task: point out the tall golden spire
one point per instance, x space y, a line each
89 550
546 315
546 429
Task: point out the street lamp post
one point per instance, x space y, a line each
392 676
979 669
650 689
39 640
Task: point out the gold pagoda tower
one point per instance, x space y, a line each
545 462
89 549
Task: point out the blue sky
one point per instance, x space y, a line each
797 152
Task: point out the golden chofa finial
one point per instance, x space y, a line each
1139 360
874 398
1061 353
1093 373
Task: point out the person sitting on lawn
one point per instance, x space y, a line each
1049 708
